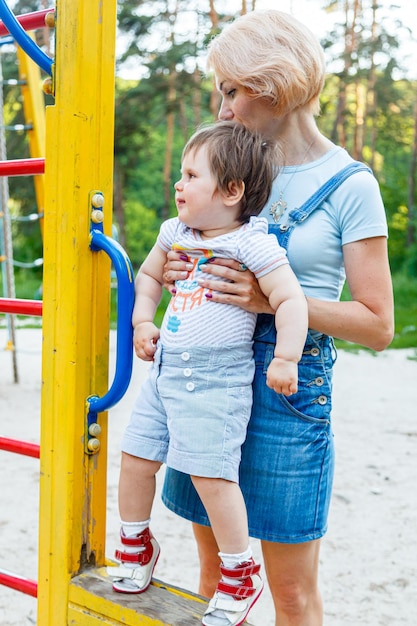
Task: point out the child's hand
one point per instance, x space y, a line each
145 336
282 376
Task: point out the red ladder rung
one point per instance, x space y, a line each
21 307
20 447
29 21
22 167
19 583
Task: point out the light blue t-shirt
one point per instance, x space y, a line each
354 211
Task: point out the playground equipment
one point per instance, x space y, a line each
72 586
29 80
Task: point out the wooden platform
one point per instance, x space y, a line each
92 601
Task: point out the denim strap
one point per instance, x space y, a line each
314 201
265 327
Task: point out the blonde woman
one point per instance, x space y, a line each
269 70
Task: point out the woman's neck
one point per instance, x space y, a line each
300 139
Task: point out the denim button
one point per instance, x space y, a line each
185 356
314 351
187 372
284 228
322 400
319 381
190 386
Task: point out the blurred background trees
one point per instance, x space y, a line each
162 94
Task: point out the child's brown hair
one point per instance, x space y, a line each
237 154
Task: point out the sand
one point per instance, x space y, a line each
368 566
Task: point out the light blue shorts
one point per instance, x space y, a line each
287 463
193 409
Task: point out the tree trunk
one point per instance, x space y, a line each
118 205
339 132
411 227
371 98
170 124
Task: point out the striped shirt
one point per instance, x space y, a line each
191 318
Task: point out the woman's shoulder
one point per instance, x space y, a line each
333 163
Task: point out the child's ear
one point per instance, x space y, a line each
235 191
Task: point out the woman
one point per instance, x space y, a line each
269 69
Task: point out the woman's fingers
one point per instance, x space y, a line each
177 267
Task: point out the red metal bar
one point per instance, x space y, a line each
21 307
29 21
20 447
25 585
22 167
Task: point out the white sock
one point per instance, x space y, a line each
234 560
131 529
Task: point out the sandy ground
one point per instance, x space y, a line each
369 555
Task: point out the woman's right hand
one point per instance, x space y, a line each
177 267
231 286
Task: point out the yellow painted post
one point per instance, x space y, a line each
34 111
79 159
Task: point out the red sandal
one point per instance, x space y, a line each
242 597
128 578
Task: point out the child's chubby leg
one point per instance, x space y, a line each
136 487
139 550
240 584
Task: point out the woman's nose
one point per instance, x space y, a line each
225 112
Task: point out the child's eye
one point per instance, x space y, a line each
231 93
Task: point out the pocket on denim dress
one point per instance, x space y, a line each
313 400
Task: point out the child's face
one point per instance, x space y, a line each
199 203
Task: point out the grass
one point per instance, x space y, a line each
28 285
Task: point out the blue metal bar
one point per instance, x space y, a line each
125 302
25 42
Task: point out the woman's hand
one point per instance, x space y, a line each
177 267
238 286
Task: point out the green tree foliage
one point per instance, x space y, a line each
368 105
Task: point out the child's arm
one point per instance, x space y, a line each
291 321
148 289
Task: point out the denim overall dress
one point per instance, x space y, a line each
287 465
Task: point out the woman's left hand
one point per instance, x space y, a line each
238 287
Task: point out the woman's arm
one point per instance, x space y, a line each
368 319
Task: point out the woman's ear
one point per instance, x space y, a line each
235 191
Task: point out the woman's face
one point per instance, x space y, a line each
240 105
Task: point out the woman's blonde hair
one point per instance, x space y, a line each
274 56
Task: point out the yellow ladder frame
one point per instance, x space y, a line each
73 587
79 159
